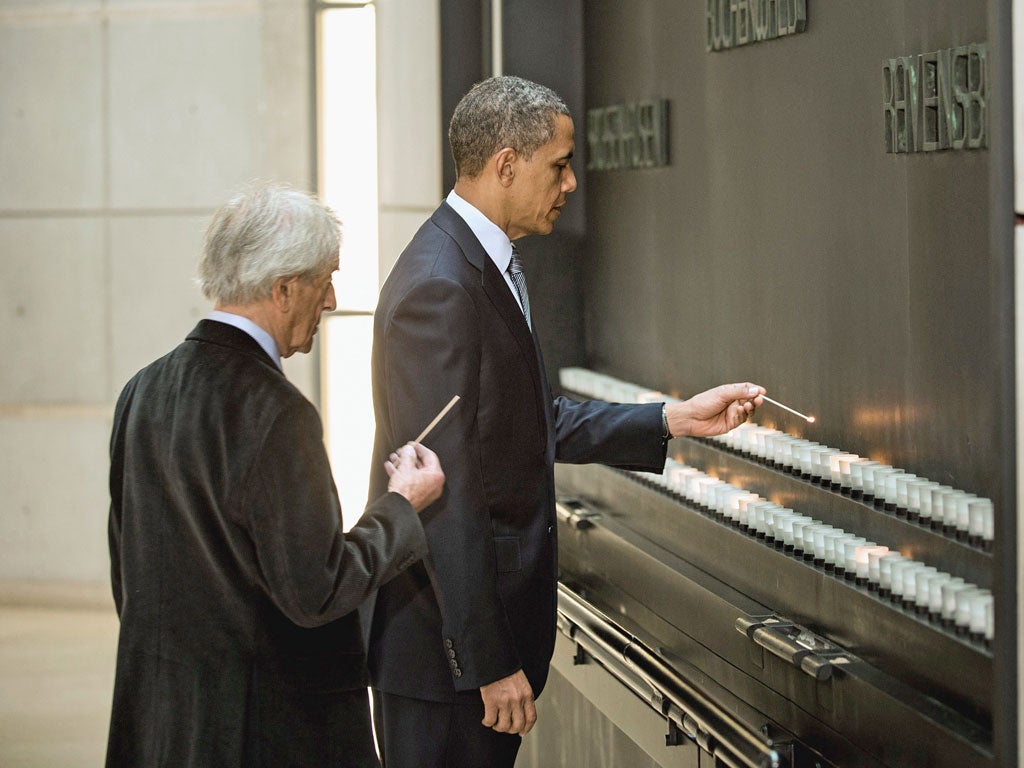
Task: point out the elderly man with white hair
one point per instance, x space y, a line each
234 582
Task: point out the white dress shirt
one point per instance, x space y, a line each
491 237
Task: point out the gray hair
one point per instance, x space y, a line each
501 112
267 231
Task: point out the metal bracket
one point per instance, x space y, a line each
783 747
576 514
794 644
675 736
580 657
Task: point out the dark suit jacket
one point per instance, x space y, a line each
233 581
482 605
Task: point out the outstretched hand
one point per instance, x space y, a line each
714 411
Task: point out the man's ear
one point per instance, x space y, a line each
282 292
504 164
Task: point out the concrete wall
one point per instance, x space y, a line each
123 124
409 124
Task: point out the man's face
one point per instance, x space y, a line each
542 183
313 297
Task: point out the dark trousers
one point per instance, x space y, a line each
412 733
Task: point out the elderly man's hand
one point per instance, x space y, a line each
715 411
415 473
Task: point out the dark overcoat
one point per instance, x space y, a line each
233 580
483 604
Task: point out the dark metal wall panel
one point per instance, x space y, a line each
784 245
543 42
1001 194
465 53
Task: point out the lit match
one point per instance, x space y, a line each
809 419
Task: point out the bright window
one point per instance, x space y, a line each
347 129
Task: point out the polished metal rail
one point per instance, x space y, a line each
687 710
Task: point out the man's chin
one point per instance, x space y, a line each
304 349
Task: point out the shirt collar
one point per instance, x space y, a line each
264 339
490 235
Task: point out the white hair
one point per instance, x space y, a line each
268 231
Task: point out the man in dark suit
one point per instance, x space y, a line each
460 643
233 580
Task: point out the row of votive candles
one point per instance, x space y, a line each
601 387
956 513
945 598
915 585
941 507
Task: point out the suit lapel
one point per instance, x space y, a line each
492 281
499 293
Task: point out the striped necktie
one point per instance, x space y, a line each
515 271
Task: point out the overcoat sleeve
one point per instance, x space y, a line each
313 571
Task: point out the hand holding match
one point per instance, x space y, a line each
395 459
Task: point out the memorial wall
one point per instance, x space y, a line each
816 197
815 217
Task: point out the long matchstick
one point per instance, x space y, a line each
437 418
809 419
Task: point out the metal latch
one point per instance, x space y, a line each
573 512
797 645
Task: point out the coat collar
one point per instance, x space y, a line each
448 220
222 334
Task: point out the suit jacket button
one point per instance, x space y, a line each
451 654
458 672
447 643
